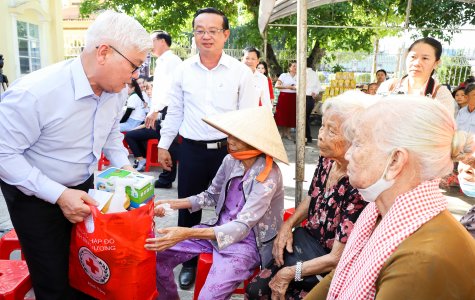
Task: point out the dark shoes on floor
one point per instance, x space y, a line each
186 277
160 185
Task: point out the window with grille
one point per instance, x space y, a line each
28 47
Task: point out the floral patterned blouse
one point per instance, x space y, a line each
332 212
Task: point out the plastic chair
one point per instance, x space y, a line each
205 260
15 279
9 243
151 159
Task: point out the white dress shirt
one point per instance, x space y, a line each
287 80
199 92
53 129
262 88
466 120
313 84
166 64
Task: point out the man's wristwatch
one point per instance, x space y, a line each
298 271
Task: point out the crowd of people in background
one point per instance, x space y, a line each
374 215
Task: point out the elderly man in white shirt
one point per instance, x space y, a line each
312 90
206 84
52 136
250 57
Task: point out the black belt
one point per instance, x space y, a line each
215 144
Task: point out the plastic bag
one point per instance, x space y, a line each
107 256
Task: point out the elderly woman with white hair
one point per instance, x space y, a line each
332 206
406 244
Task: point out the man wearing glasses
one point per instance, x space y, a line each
55 122
208 83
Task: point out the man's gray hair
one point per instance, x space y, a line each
119 30
422 126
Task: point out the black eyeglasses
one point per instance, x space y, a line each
136 68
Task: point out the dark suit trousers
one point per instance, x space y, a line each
196 170
310 104
44 235
137 140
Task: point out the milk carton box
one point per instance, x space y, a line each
141 191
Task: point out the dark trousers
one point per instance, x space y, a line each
309 107
137 140
44 234
197 168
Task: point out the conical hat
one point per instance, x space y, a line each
255 127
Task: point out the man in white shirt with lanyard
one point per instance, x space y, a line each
206 84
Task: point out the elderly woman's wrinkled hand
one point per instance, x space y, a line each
167 237
284 239
280 282
162 208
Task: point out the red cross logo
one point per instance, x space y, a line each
92 266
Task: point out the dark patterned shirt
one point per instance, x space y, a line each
332 212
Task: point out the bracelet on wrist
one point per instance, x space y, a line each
298 271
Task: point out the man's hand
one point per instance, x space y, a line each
74 204
151 119
165 159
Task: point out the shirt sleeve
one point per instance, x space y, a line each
210 197
21 126
114 148
257 203
265 96
248 96
161 84
174 118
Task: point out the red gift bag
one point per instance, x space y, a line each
107 256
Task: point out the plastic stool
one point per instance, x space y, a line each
8 244
151 159
205 260
15 279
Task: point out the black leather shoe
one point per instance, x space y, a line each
186 277
160 185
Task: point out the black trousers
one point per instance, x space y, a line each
196 170
137 140
308 111
44 234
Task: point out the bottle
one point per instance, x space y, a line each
120 200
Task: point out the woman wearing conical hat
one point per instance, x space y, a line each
248 196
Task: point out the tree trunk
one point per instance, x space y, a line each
316 55
274 68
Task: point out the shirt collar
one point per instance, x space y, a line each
164 54
82 87
224 60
